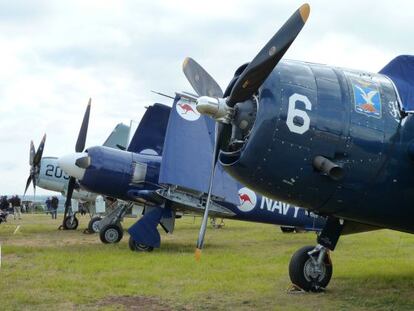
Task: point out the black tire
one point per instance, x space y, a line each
68 224
300 273
287 229
136 247
92 226
111 234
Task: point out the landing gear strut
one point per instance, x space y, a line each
310 268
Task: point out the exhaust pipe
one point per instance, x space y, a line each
329 168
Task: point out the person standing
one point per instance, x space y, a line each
54 206
16 204
4 204
48 205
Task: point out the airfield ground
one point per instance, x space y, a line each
244 267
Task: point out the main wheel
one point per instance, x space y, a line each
111 234
287 229
93 225
136 247
70 223
306 274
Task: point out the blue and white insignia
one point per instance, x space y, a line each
367 98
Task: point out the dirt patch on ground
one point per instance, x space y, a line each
136 303
10 258
53 240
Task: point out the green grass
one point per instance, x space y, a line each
244 267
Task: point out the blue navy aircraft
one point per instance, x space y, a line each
162 173
338 142
46 173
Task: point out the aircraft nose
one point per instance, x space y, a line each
69 164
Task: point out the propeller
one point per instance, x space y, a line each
238 108
80 146
200 80
34 162
262 65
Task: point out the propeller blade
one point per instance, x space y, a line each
200 242
200 79
29 180
34 185
262 65
38 156
80 143
32 153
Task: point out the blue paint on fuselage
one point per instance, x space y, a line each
111 172
377 187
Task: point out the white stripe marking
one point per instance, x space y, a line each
17 229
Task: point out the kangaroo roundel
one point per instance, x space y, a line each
248 199
187 110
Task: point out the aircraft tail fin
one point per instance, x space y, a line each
150 134
401 71
118 139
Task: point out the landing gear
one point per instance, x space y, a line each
93 226
310 268
287 229
137 247
70 223
109 227
111 234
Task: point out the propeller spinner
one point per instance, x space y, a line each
240 100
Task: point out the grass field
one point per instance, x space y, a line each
244 267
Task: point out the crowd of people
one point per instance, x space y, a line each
14 205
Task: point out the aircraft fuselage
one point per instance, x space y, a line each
352 118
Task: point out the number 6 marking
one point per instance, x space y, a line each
293 112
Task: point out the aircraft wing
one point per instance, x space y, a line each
188 151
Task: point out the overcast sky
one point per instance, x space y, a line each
54 55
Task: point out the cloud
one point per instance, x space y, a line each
57 54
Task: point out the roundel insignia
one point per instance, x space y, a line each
247 199
187 110
149 152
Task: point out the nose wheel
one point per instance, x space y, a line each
310 268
